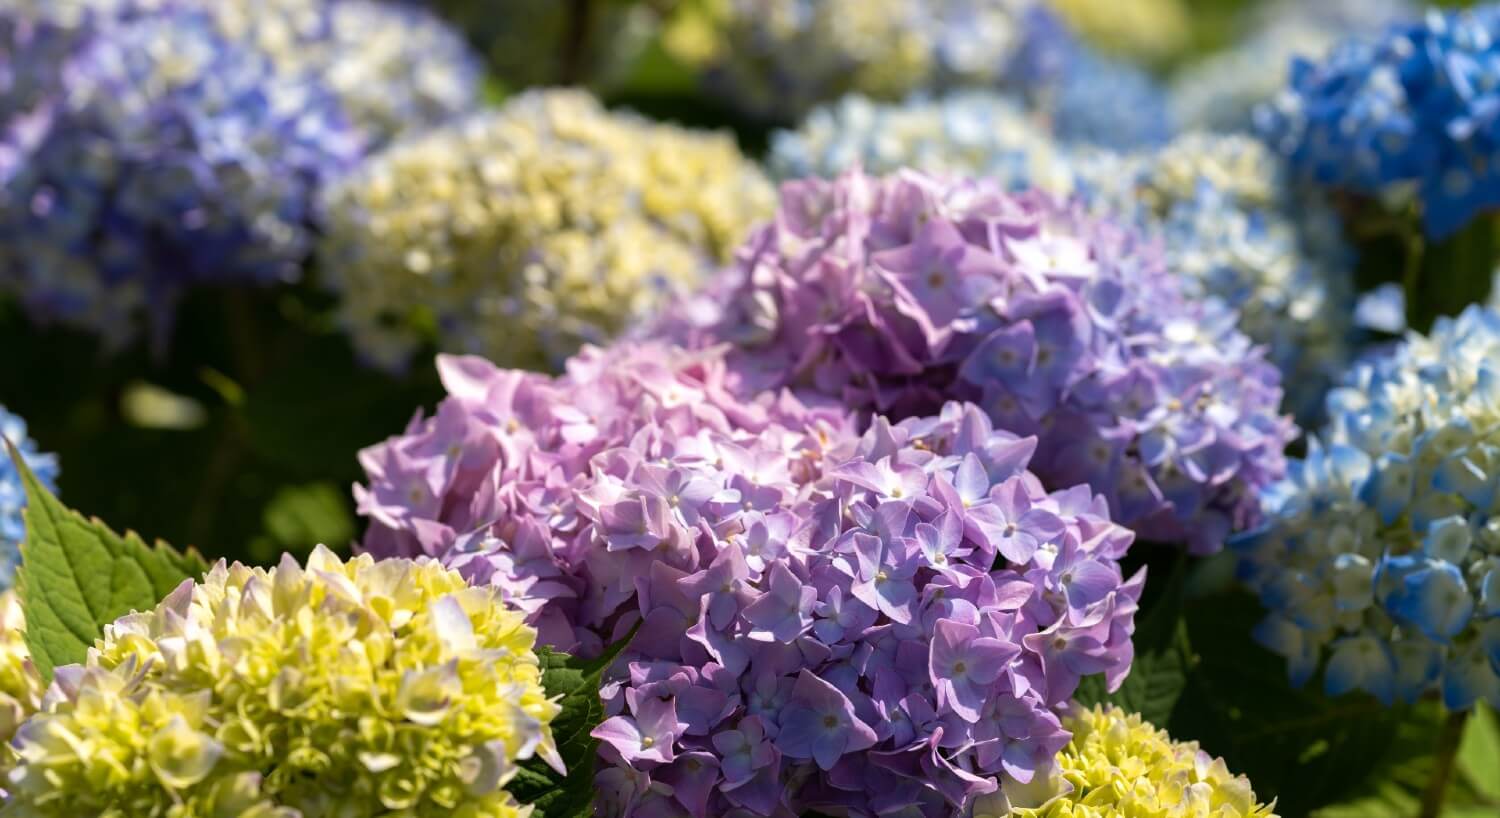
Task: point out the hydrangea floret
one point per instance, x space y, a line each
13 493
893 295
827 622
356 688
173 157
1238 229
1380 558
522 233
1405 116
1119 766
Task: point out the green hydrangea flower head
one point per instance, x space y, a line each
1119 766
340 690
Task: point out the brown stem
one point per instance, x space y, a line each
1447 754
575 46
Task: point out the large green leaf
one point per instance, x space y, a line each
576 682
78 576
1163 658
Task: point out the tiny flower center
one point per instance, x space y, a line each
647 742
830 722
959 667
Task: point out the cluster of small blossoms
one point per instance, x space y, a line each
520 234
1220 92
1119 766
172 157
21 686
780 58
1149 30
972 133
394 68
1100 100
1237 229
527 42
1380 550
826 621
1404 116
13 494
893 295
356 688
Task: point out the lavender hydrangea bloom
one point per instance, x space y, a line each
893 295
172 158
828 621
1381 552
1406 115
13 494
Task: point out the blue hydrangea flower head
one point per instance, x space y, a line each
1381 557
172 157
972 132
1220 92
1105 101
1406 116
13 494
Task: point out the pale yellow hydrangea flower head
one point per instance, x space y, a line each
523 233
352 689
20 685
1118 766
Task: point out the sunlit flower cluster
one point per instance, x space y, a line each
809 599
779 58
1381 553
351 688
13 494
1119 766
972 133
395 68
1404 116
1220 91
520 234
1101 100
21 686
1237 229
894 295
173 158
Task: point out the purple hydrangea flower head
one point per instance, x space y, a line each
1381 550
894 295
1409 114
828 621
173 157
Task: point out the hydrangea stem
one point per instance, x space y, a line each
1443 277
1446 754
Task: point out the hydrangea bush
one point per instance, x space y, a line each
779 58
894 295
1380 558
173 158
1406 116
1118 766
13 494
522 233
356 688
812 604
1150 30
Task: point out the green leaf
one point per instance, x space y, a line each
78 576
576 682
1163 657
1479 755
